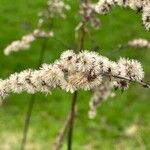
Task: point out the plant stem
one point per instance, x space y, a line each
74 97
73 113
59 140
31 102
27 122
142 83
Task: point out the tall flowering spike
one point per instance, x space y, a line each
26 41
73 71
139 43
104 6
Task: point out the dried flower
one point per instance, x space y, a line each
104 6
146 16
139 43
100 93
88 14
54 8
26 41
85 70
131 69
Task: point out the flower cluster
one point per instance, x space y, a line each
100 93
54 8
125 68
139 43
146 16
104 6
88 13
73 71
26 41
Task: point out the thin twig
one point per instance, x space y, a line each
59 140
73 111
117 49
62 42
31 102
131 80
27 122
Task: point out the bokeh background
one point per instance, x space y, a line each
110 130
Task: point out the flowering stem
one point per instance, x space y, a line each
32 100
74 97
73 113
62 42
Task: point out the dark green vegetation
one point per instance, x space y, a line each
107 131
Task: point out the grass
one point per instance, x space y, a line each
107 131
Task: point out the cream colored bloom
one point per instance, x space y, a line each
139 43
104 6
26 41
73 71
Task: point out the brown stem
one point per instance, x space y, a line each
73 112
32 101
128 79
27 122
74 98
82 36
59 140
69 123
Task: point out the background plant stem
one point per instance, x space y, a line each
32 101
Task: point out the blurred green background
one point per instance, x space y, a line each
127 111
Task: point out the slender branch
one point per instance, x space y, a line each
27 122
62 42
142 83
117 49
31 102
122 47
73 111
82 36
59 140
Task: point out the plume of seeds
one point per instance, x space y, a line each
73 71
26 41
